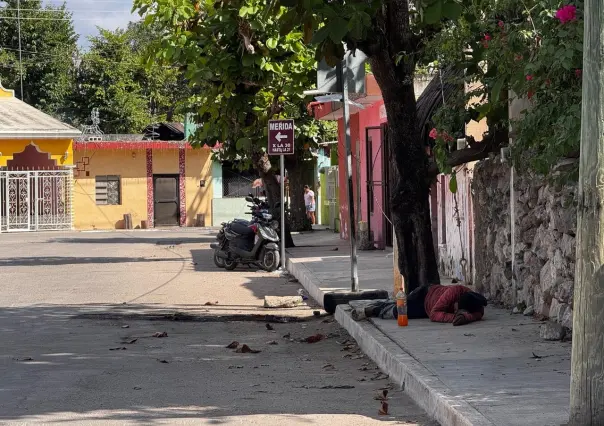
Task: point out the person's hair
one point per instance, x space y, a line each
306 187
472 301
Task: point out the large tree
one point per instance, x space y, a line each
48 50
114 76
392 34
246 73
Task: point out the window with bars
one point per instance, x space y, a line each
108 190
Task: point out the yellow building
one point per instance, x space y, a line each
151 183
36 159
22 124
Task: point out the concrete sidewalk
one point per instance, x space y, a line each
494 372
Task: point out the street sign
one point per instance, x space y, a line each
280 137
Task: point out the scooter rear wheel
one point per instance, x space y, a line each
218 261
230 265
270 260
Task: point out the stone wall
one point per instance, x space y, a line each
545 224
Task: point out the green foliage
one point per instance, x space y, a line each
48 53
244 70
114 78
518 45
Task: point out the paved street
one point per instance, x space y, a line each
78 313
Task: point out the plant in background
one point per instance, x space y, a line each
533 49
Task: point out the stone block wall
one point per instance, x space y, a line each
544 249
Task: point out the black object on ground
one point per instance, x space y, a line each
332 300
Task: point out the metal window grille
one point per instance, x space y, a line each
237 184
108 190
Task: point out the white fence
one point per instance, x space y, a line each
36 200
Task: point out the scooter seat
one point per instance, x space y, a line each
241 229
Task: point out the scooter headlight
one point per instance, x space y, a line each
267 216
275 225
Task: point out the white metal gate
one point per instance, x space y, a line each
36 200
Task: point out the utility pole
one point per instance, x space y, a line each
587 366
20 50
354 273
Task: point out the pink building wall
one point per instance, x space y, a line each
359 122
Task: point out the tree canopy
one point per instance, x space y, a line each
48 44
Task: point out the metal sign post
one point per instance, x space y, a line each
281 143
354 273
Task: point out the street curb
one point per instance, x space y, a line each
415 379
423 386
306 278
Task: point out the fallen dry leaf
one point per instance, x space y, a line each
245 349
382 396
329 367
232 345
118 349
25 359
273 342
383 411
125 326
314 339
163 361
380 376
129 342
211 303
160 335
269 327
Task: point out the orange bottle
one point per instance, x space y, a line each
401 308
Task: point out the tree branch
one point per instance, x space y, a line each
476 151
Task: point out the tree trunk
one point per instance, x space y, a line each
296 172
410 186
262 164
587 366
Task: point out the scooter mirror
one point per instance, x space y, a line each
249 199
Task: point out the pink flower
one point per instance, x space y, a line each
501 24
529 78
433 133
487 37
567 14
578 73
530 94
447 137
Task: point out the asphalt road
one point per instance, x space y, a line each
57 365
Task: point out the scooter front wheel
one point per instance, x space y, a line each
230 265
218 261
270 260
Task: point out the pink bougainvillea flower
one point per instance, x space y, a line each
567 14
529 78
447 137
487 37
518 58
578 73
530 94
501 24
433 133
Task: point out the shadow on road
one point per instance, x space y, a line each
58 260
134 238
56 367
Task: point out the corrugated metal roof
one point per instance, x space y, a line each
19 120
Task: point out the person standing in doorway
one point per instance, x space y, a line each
309 202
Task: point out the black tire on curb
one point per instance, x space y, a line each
332 300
